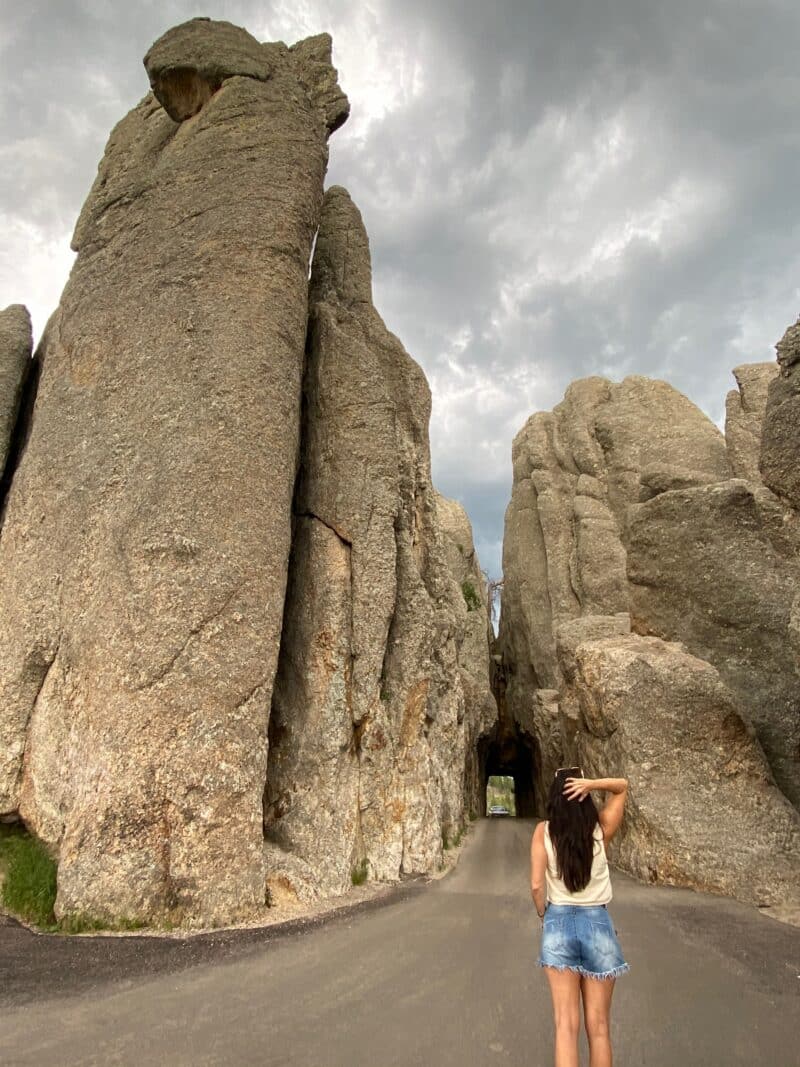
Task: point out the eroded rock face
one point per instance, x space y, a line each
192 62
15 363
577 471
143 557
780 439
571 635
383 675
474 639
703 810
718 568
744 417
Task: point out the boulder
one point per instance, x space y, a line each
658 478
703 808
744 416
144 553
714 568
780 438
192 62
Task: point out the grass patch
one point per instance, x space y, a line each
473 601
28 873
358 874
452 841
80 923
29 883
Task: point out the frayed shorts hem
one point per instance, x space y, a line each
615 972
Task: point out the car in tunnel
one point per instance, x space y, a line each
498 810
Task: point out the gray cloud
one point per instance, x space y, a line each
550 190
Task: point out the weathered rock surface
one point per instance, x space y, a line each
192 62
571 635
744 417
658 479
716 568
383 676
577 471
703 809
15 359
474 639
143 557
780 439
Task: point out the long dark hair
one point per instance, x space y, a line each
571 824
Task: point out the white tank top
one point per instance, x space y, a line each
598 888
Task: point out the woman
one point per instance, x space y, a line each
579 950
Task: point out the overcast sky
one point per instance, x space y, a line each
552 189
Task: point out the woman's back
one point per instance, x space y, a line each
598 888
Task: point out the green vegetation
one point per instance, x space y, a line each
500 790
28 873
29 877
358 874
451 842
471 597
80 923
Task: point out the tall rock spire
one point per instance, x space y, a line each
144 554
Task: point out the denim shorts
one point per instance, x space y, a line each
581 938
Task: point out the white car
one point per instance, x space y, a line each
498 809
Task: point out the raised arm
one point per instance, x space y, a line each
611 813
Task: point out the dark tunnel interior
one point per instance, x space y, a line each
508 750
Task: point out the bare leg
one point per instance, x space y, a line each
565 988
597 994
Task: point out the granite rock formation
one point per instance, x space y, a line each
780 441
15 367
474 639
717 568
238 658
383 676
744 416
704 810
629 512
577 470
144 552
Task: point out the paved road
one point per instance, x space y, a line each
441 975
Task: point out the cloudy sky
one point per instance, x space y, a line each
552 189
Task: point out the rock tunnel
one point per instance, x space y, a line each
509 750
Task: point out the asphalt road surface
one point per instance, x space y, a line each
443 974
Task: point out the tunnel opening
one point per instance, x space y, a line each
509 751
500 799
510 756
